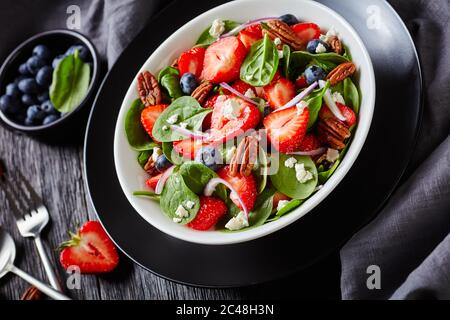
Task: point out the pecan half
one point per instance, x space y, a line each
148 89
341 72
32 293
333 132
279 29
150 167
202 92
244 159
336 44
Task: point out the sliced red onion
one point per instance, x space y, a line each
330 102
188 133
162 181
247 24
211 187
237 93
315 152
298 98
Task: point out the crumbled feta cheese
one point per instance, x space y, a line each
332 155
250 94
230 154
165 128
217 28
280 54
231 109
156 153
301 174
301 107
176 220
238 222
189 204
337 97
289 163
321 48
277 41
183 125
282 204
181 212
173 119
331 33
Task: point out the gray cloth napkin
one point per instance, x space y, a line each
409 240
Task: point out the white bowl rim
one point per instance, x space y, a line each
224 238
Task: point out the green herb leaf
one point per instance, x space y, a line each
169 79
261 63
291 205
263 208
143 157
286 61
325 175
315 104
147 194
136 135
299 60
351 95
187 110
70 83
206 39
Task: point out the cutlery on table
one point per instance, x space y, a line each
31 216
7 255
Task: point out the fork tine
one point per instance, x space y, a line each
12 203
34 197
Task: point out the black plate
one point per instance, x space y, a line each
352 204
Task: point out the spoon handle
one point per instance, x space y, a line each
52 293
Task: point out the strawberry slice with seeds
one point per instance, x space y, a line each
306 32
209 103
153 181
90 249
210 212
187 148
149 116
309 143
279 92
192 61
241 87
301 83
224 126
286 129
223 60
250 35
244 186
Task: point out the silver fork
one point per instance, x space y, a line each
31 216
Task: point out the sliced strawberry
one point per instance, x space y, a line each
279 92
149 116
301 83
250 35
244 186
223 128
187 148
241 86
306 32
192 61
210 212
277 197
223 60
90 249
286 129
153 181
209 103
348 113
309 143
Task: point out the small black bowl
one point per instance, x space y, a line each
71 126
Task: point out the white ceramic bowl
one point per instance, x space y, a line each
131 175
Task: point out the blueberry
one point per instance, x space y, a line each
23 69
42 52
48 108
44 76
314 73
34 64
162 163
57 60
19 78
35 113
9 104
50 118
267 111
188 83
29 121
314 44
83 52
42 97
289 19
28 85
13 90
28 99
209 156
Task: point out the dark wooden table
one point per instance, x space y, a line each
56 172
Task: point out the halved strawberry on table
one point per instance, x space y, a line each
279 92
192 61
90 249
347 112
210 212
286 129
231 117
244 186
223 60
149 116
306 32
187 148
250 35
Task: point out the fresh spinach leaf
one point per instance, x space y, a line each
176 193
136 135
169 79
339 87
351 95
315 104
347 53
70 83
286 61
187 110
286 182
325 175
291 205
327 66
143 157
206 39
261 63
147 194
263 208
300 59
261 171
171 155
